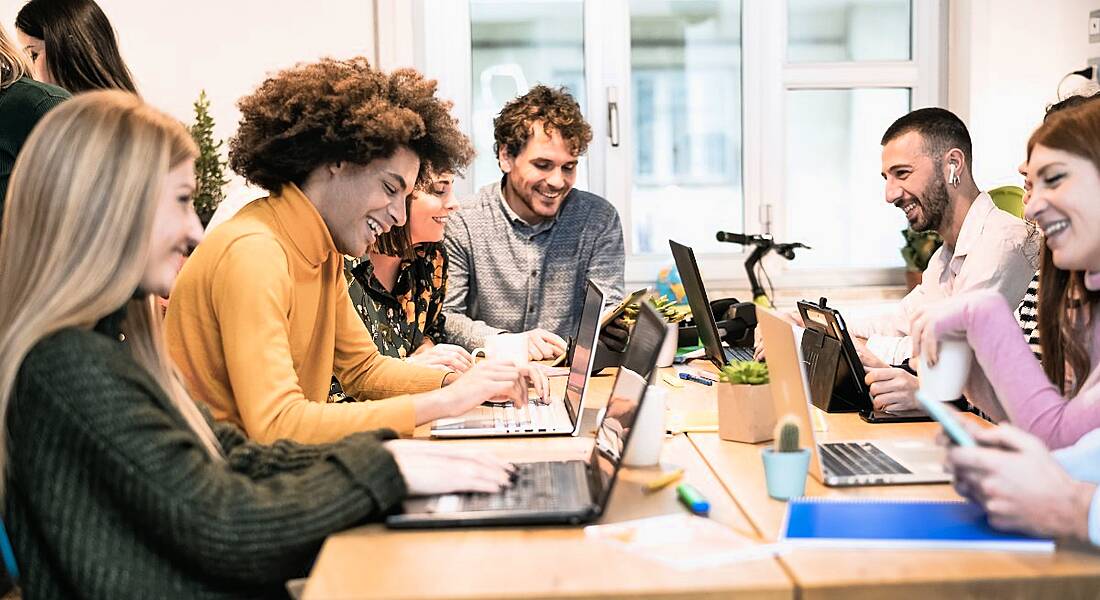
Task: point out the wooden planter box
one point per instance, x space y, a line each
746 413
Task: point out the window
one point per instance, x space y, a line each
760 116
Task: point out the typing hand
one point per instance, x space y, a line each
544 345
489 380
615 334
442 356
867 357
433 468
536 376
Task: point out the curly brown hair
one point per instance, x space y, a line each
554 108
334 111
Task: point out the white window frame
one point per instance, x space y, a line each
440 47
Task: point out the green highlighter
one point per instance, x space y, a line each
692 499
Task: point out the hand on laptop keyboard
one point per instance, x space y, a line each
431 468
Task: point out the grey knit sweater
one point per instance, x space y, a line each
110 495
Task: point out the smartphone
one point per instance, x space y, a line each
938 411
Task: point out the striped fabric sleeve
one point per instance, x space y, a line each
1027 315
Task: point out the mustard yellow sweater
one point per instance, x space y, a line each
260 319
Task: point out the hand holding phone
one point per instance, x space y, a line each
951 425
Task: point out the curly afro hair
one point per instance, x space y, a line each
334 111
554 108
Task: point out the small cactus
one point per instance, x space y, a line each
786 435
748 372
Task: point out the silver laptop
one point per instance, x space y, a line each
847 463
551 492
562 416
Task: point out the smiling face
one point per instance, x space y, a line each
359 202
1065 203
430 208
176 230
35 50
538 179
914 182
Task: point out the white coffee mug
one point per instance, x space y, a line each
648 435
945 380
511 347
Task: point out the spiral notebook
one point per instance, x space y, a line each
845 523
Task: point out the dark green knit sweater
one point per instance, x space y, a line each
110 495
22 104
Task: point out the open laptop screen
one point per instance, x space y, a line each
697 299
627 394
581 364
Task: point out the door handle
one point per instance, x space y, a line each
613 115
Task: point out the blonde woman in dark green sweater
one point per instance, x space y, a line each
117 485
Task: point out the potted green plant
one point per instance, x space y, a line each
918 249
746 412
209 166
786 464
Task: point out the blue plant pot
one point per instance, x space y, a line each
786 472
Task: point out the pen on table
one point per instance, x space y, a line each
672 381
700 373
663 481
692 499
690 377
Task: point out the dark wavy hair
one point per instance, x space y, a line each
554 108
333 111
81 48
1064 301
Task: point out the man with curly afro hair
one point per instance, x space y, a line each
260 319
522 248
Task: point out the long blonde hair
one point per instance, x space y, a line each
76 234
13 63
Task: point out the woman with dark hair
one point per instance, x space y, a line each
399 287
71 44
23 101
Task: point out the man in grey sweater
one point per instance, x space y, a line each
521 249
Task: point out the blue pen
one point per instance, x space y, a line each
692 499
690 377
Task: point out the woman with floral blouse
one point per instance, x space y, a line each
398 288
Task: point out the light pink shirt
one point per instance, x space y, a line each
994 251
1008 383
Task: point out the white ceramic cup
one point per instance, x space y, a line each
511 347
945 380
648 437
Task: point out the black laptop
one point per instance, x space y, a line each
551 492
709 335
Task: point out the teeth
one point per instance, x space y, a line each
909 208
375 227
1055 227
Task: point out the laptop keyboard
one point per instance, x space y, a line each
534 416
850 458
738 353
537 486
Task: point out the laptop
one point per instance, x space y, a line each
562 416
848 463
850 379
709 335
548 492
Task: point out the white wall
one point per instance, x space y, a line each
226 47
1006 58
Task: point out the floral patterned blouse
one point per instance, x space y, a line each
401 320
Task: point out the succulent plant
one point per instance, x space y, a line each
786 435
666 307
748 372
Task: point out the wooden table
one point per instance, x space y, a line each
371 562
848 574
557 562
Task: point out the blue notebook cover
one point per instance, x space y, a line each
899 524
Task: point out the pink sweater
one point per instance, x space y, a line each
1007 371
